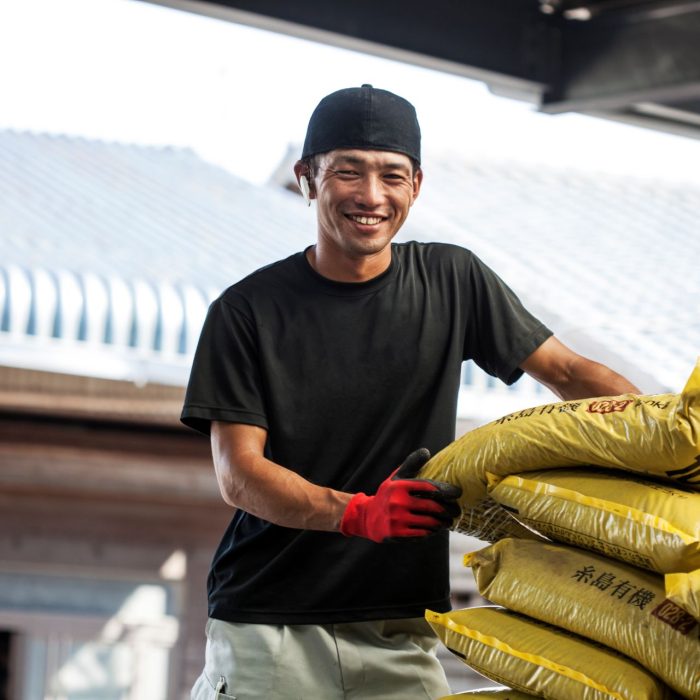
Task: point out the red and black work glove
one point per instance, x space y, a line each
403 506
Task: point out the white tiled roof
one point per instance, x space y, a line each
111 253
138 212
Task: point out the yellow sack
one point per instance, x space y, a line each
646 523
489 694
540 659
612 603
657 435
684 591
491 522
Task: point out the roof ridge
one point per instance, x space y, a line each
77 137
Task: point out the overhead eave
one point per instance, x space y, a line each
641 66
632 60
493 41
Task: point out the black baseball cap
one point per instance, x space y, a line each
363 117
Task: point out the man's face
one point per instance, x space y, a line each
363 198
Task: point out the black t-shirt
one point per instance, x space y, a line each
348 379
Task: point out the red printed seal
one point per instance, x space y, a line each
609 406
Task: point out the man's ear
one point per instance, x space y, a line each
417 182
304 178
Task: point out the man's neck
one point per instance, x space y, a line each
347 269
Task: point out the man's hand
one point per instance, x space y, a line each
403 507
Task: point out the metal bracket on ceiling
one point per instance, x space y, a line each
584 10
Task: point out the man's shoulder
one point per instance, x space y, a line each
434 254
264 279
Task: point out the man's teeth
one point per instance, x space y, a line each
366 219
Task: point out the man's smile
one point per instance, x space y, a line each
365 220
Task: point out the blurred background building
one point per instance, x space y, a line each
110 252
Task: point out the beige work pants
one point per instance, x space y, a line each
380 660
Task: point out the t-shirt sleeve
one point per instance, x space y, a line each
505 332
225 381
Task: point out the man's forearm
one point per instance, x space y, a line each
586 378
259 486
402 507
281 496
572 376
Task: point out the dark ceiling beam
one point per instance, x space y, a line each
616 60
686 125
504 43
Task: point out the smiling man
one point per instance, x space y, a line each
316 376
354 234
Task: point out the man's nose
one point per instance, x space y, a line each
370 191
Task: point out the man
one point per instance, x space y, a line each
315 377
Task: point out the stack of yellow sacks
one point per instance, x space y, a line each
594 570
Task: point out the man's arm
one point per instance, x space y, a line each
572 376
249 481
402 507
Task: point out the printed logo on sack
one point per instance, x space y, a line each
674 616
609 406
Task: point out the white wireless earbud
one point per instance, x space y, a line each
305 191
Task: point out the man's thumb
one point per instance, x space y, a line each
412 464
